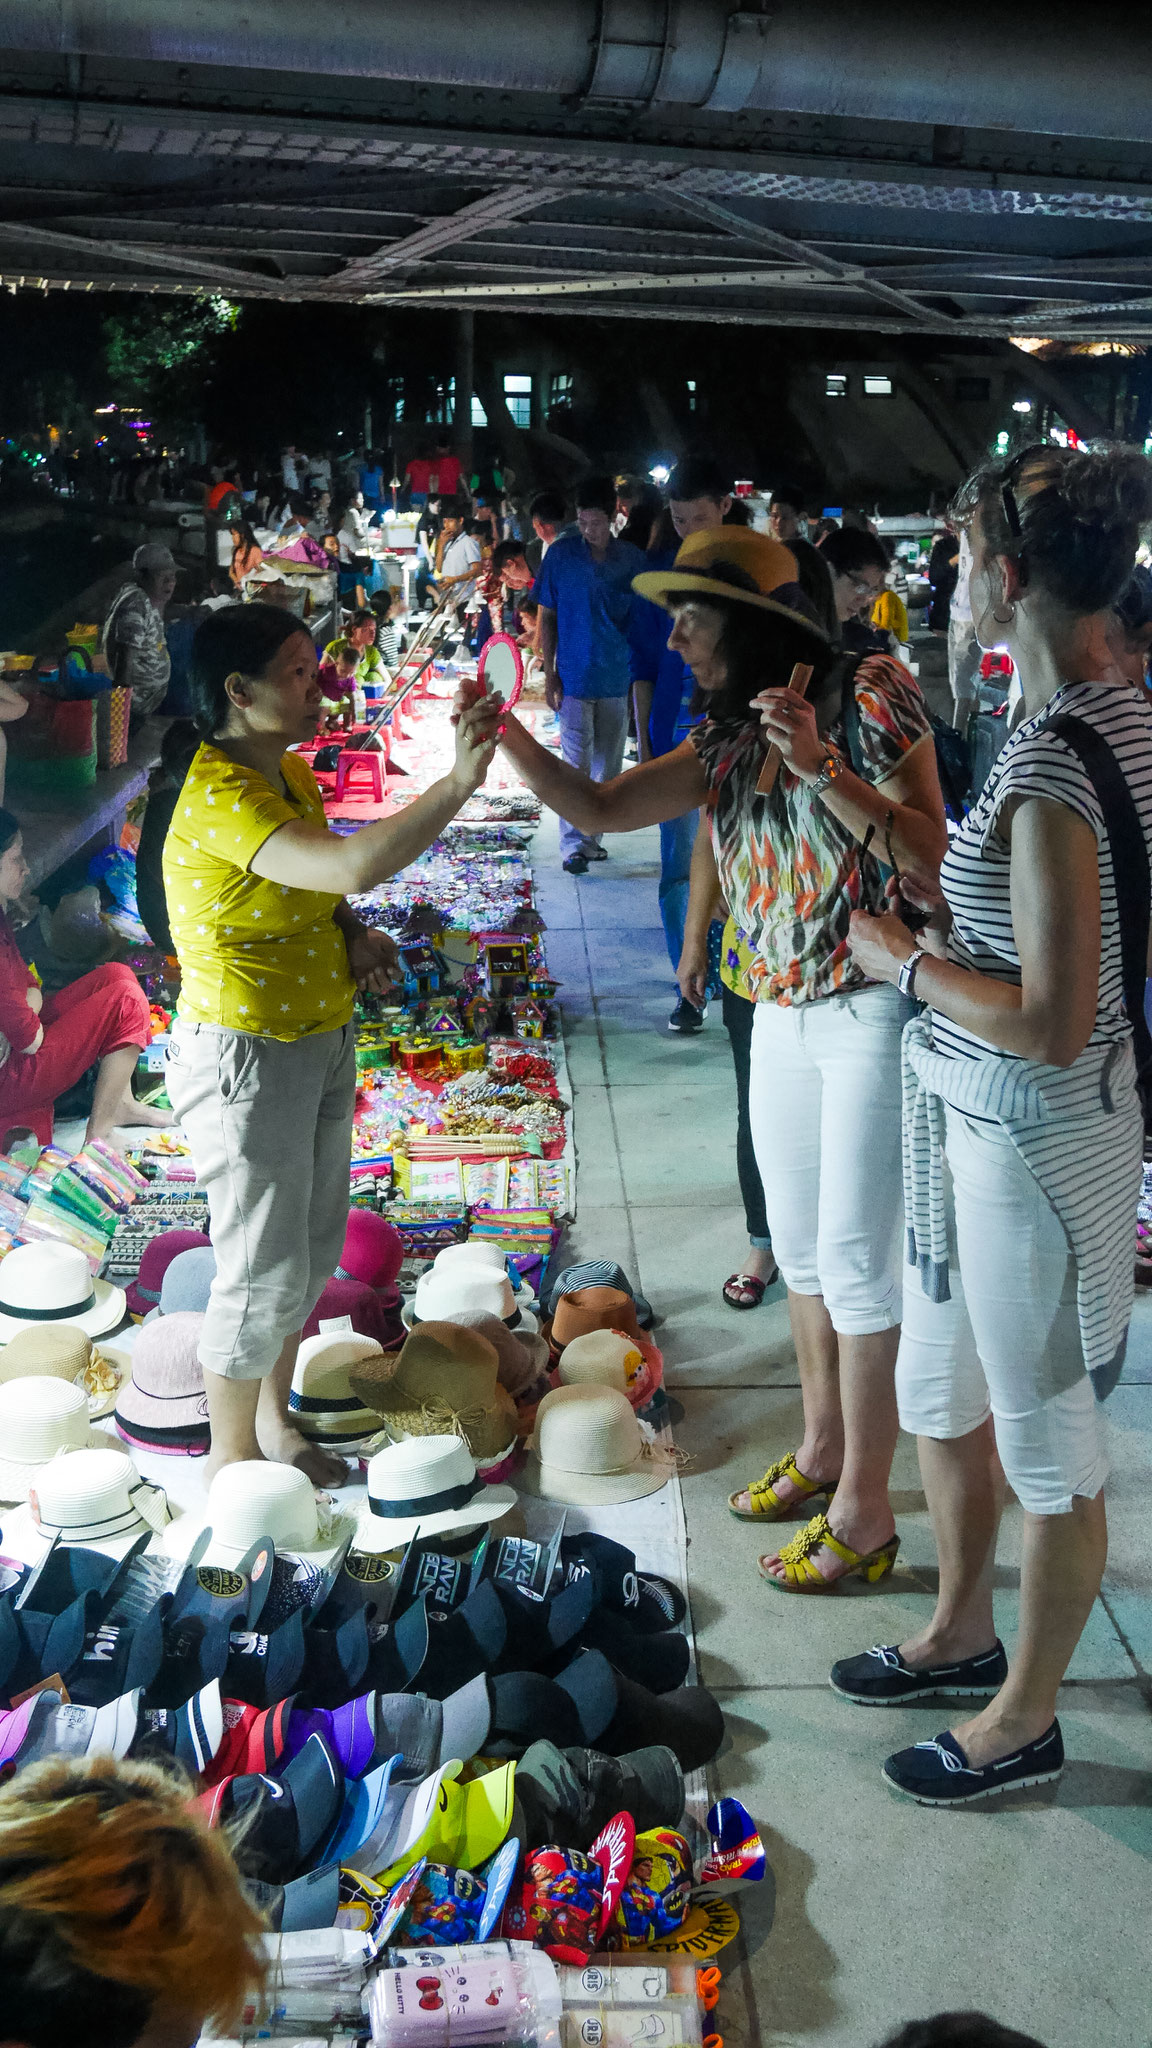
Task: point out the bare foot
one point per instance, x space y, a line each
285 1446
216 1460
128 1113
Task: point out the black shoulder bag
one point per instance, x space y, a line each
1133 878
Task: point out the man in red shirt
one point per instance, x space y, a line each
434 476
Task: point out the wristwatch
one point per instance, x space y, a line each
907 978
831 766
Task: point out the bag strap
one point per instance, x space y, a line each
1130 868
850 710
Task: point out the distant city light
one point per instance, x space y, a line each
1021 405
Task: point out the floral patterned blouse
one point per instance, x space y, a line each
789 870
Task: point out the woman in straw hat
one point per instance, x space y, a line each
825 1080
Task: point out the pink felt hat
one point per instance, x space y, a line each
367 1313
144 1293
164 1407
373 1251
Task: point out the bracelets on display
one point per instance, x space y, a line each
907 979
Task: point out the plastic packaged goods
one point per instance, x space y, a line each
612 2002
494 1992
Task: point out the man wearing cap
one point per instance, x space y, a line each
133 641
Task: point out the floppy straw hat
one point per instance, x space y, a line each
91 1498
443 1383
589 1449
428 1483
323 1403
255 1499
164 1406
46 1283
699 572
64 1353
40 1418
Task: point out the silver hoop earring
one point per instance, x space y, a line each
1010 620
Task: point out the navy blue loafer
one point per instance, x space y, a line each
938 1773
881 1678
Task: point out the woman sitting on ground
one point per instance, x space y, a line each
123 1920
247 554
48 1042
825 1050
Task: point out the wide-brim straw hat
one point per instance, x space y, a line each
91 1499
609 1358
47 1284
41 1418
63 1352
766 572
425 1483
590 1450
255 1499
443 1383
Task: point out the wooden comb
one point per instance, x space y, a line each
798 682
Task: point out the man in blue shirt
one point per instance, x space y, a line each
664 689
584 591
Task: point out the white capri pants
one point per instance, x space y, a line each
269 1122
824 1106
1007 1344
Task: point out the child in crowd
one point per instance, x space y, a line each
338 681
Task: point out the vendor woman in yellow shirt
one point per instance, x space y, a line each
262 1069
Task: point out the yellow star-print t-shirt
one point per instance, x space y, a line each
254 955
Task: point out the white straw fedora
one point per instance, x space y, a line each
40 1418
322 1403
255 1499
489 1255
428 1483
467 1289
589 1448
93 1499
49 1283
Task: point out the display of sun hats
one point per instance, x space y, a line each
586 1309
66 1353
164 1406
186 1285
40 1418
567 1795
51 1283
769 567
256 1498
325 1403
521 1360
364 1309
373 1254
443 1383
589 1449
598 1273
467 1290
483 1252
608 1358
143 1294
94 1499
618 1714
425 1483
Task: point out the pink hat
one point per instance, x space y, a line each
367 1313
164 1406
144 1293
373 1252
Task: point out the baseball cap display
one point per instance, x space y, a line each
589 1448
51 1283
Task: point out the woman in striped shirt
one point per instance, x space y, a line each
1023 1131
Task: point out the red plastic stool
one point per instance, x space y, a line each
347 778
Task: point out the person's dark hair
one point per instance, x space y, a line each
451 508
9 827
596 494
547 506
246 533
527 607
1070 520
177 749
505 551
299 505
790 495
848 550
959 2030
1133 607
737 514
362 616
759 648
697 476
822 529
238 639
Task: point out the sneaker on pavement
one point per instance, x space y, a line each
881 1678
938 1773
686 1018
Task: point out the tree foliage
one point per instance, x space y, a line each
161 354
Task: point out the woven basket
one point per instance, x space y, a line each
112 712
